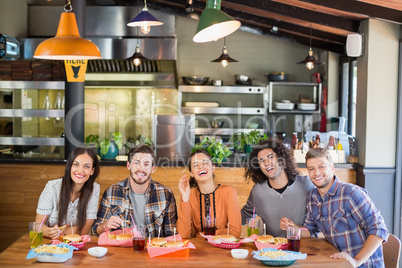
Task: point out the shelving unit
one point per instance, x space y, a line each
20 113
279 91
237 104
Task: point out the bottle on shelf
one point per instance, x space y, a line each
331 143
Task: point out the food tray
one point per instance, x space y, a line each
306 106
284 105
227 245
278 246
278 263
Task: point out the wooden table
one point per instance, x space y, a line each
317 249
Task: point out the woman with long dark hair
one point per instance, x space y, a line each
201 197
73 199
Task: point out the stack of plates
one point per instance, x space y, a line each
284 105
307 106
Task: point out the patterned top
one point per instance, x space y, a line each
346 216
160 208
49 204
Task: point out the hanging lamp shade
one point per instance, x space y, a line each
310 61
224 58
144 18
214 23
137 57
67 44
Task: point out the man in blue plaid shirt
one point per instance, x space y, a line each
138 198
344 213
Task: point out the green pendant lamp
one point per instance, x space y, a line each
214 23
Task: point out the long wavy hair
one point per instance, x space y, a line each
86 190
193 183
285 160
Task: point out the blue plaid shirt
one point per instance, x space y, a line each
160 208
346 216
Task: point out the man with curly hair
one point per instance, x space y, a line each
278 188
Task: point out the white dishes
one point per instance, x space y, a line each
306 106
284 105
97 251
49 258
239 253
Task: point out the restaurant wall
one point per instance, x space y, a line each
377 81
14 18
256 54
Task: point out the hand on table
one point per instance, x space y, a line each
346 256
184 187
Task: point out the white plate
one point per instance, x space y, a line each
307 106
284 106
49 258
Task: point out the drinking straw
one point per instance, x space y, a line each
72 231
149 239
228 226
299 232
122 226
159 231
174 234
40 226
132 219
265 231
252 224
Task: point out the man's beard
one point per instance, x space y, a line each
139 182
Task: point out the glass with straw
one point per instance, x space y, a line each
253 225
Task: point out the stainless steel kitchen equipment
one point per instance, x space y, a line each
173 136
9 48
195 80
238 106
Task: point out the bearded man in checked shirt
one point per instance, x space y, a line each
138 198
344 213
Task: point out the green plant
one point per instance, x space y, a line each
132 142
103 144
239 139
217 150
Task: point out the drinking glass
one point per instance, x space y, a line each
209 226
139 239
253 226
293 239
35 234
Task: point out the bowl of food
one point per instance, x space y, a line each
195 80
239 253
97 251
277 76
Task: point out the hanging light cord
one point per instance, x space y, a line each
310 34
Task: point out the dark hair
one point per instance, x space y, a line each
86 190
317 153
285 159
192 181
142 148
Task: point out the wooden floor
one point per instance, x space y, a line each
22 184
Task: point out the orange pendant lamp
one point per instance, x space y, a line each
67 44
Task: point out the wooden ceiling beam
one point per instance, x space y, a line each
374 11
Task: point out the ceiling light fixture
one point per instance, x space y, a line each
145 20
67 44
310 61
137 57
214 24
224 58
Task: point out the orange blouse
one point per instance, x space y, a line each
226 207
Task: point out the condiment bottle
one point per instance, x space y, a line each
331 143
294 140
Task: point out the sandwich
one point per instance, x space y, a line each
159 242
230 238
75 238
123 236
174 244
266 239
